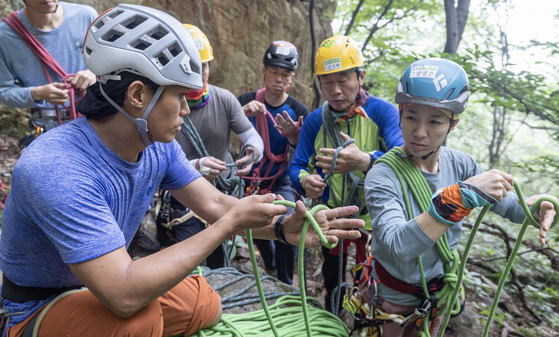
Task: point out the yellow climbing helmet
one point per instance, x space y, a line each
202 42
337 53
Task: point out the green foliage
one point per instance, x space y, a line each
13 121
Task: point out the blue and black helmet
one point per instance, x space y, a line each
434 82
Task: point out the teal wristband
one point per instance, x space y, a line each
450 208
473 197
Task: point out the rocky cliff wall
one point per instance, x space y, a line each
239 32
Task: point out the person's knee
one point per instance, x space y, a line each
217 318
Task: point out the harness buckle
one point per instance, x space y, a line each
418 313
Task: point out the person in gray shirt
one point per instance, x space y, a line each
206 141
432 94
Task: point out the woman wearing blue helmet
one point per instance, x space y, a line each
412 230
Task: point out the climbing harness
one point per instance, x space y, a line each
269 159
46 60
231 186
409 175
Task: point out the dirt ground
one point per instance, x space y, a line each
9 153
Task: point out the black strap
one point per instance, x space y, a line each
15 293
28 332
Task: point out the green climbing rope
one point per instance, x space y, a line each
283 317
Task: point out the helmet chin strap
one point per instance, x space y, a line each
55 8
141 123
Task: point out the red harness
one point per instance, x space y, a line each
401 286
46 61
269 157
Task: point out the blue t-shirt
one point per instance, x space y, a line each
20 68
73 200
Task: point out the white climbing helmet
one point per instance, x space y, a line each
145 41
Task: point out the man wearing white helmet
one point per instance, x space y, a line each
87 184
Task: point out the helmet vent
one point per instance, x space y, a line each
195 67
140 44
134 21
157 33
113 34
150 38
166 55
110 15
449 93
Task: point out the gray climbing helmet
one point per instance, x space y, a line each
145 41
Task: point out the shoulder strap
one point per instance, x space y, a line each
46 60
44 56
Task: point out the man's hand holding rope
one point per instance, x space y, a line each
244 164
349 159
331 222
314 185
210 167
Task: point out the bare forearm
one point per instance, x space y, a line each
432 228
126 286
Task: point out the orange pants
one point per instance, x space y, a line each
183 310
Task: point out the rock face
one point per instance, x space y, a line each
239 32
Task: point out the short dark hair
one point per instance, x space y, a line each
94 105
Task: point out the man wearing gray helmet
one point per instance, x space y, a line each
277 117
87 184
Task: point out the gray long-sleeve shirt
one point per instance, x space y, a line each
397 241
20 68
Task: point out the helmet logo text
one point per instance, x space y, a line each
424 71
332 64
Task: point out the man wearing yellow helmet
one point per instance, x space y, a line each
340 141
205 139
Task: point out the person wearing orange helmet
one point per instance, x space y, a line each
339 143
205 139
